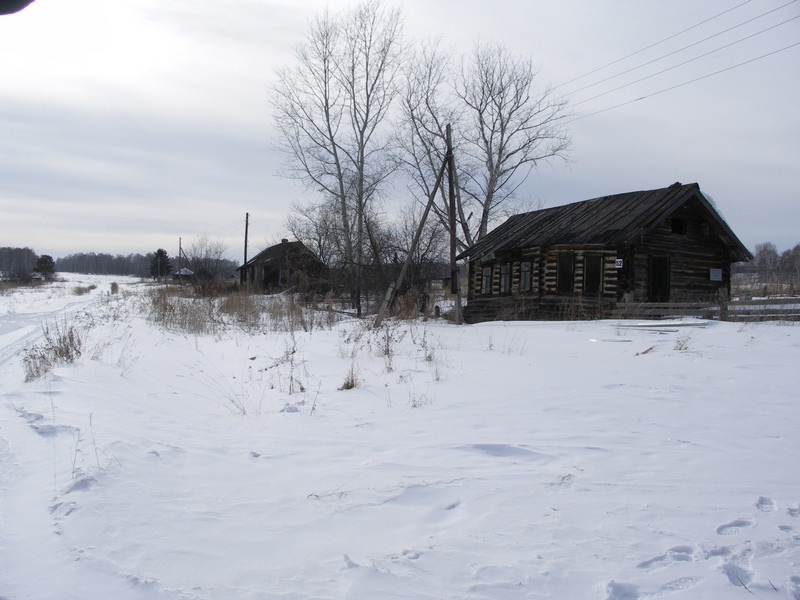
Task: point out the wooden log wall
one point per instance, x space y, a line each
693 251
609 283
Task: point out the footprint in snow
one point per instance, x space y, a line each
684 583
765 504
733 527
676 554
565 481
737 575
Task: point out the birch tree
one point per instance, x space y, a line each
512 128
503 126
427 108
330 108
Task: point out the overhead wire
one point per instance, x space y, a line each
653 45
686 61
684 83
696 79
649 62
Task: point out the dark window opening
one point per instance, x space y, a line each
486 280
525 277
679 226
505 278
593 274
565 273
283 277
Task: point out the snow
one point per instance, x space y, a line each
587 460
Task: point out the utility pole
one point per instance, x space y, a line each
455 282
180 252
448 165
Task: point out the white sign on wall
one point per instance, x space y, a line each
618 263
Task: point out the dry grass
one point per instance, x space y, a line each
179 309
172 310
80 290
61 344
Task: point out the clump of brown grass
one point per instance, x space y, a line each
82 290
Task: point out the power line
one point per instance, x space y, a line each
687 61
653 44
724 31
684 83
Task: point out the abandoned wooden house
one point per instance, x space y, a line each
586 258
283 266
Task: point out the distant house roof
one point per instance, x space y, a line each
184 272
278 252
609 220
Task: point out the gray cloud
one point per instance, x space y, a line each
153 123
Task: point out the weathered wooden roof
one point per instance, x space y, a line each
608 220
278 252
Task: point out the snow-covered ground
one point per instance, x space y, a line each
568 460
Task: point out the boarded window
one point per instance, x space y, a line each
593 274
565 274
283 277
505 279
486 280
525 277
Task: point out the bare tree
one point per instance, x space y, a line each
329 109
766 262
427 108
502 127
317 226
513 127
207 259
789 265
431 249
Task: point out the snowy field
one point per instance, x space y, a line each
563 460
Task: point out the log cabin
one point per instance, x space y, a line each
584 259
283 266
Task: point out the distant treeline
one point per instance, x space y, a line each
106 264
771 266
17 263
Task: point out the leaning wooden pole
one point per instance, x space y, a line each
387 299
243 275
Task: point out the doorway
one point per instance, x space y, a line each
659 279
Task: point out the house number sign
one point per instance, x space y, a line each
618 263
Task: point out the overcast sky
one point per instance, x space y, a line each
128 124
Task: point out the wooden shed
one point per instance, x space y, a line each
284 265
583 259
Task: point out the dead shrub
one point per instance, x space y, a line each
406 306
351 379
243 309
79 290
